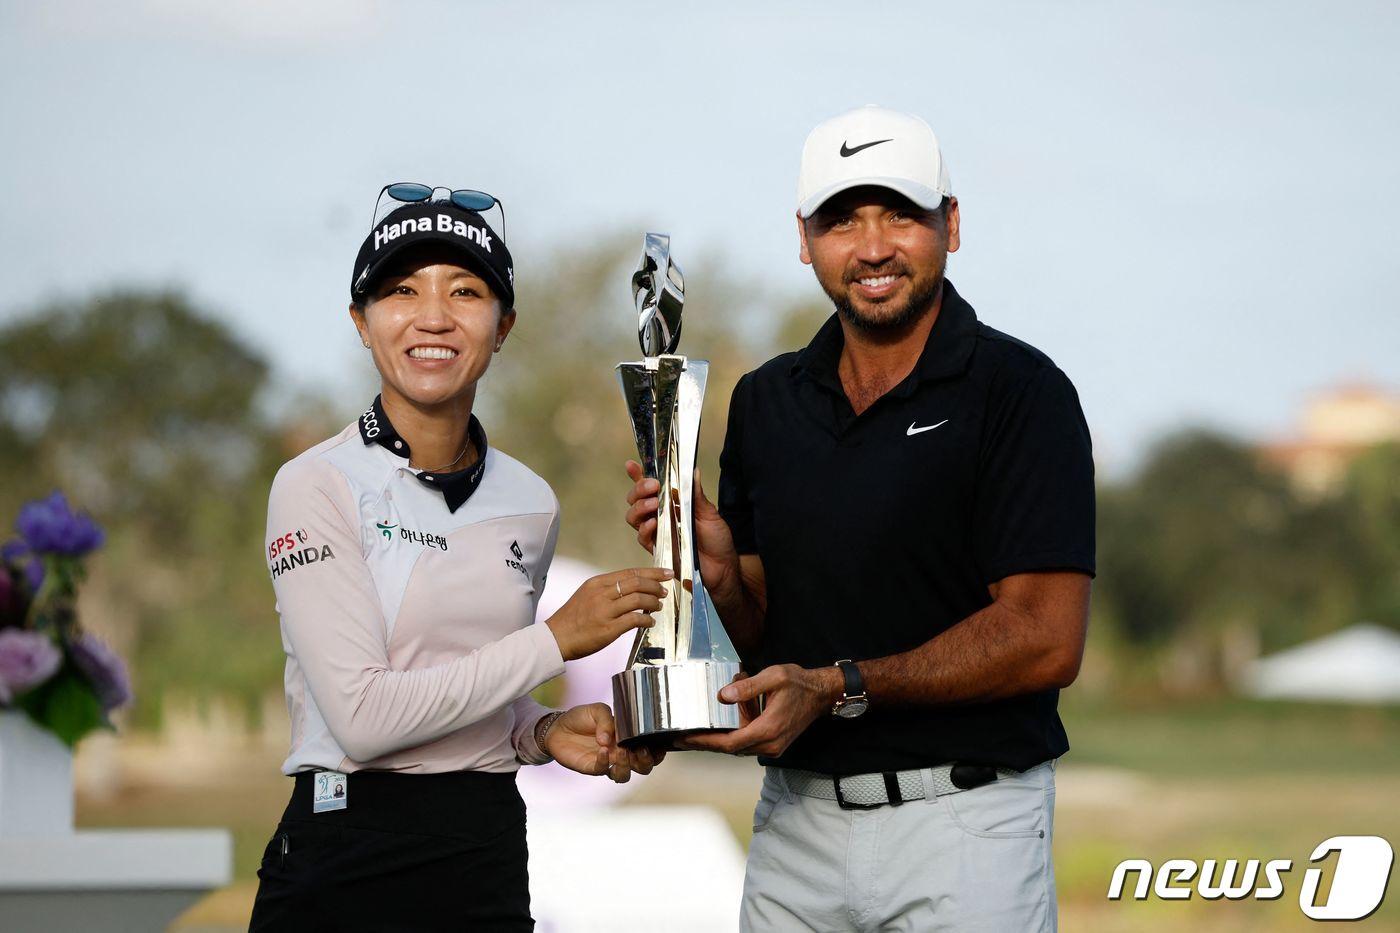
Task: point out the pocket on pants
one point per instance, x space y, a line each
298 852
769 796
275 852
1008 808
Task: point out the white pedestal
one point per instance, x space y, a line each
54 880
113 880
36 778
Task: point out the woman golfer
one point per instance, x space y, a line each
408 558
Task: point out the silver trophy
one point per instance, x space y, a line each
678 666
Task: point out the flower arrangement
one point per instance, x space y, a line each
65 679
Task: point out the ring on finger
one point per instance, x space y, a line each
618 584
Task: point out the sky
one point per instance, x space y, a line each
1190 207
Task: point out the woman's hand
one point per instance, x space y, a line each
606 606
584 739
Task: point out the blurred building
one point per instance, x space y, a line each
1336 424
1360 664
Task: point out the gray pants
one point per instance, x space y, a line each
974 860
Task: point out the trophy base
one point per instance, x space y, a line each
656 701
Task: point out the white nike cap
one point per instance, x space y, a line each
872 146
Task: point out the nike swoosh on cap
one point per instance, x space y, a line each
848 151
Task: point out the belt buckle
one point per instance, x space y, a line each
845 804
966 776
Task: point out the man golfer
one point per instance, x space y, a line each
902 553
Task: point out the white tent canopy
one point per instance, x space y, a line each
1360 664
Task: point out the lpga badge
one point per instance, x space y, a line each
676 667
330 792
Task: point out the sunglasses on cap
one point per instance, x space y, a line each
410 192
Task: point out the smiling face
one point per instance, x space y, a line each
878 256
432 325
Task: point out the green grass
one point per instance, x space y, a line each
1233 737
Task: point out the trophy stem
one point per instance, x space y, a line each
664 396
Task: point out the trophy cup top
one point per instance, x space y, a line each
658 290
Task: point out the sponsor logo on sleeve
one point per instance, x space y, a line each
292 550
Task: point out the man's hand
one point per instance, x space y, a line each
735 583
719 559
793 698
584 739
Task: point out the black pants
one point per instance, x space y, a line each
411 852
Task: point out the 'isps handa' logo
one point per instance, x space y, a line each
285 552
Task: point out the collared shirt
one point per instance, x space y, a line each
880 530
457 487
407 603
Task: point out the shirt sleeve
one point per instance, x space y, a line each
734 503
1034 505
334 627
527 712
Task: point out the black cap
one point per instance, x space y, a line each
484 252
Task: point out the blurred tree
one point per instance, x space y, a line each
1371 493
142 408
122 398
1206 544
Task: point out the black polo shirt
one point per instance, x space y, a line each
881 530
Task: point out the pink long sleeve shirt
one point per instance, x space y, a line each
407 603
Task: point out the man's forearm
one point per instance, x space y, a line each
996 652
742 608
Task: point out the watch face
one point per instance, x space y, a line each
852 708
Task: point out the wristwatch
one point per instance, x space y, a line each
853 702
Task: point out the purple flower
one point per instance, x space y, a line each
15 552
51 526
27 659
103 668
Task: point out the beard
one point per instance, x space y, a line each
920 302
